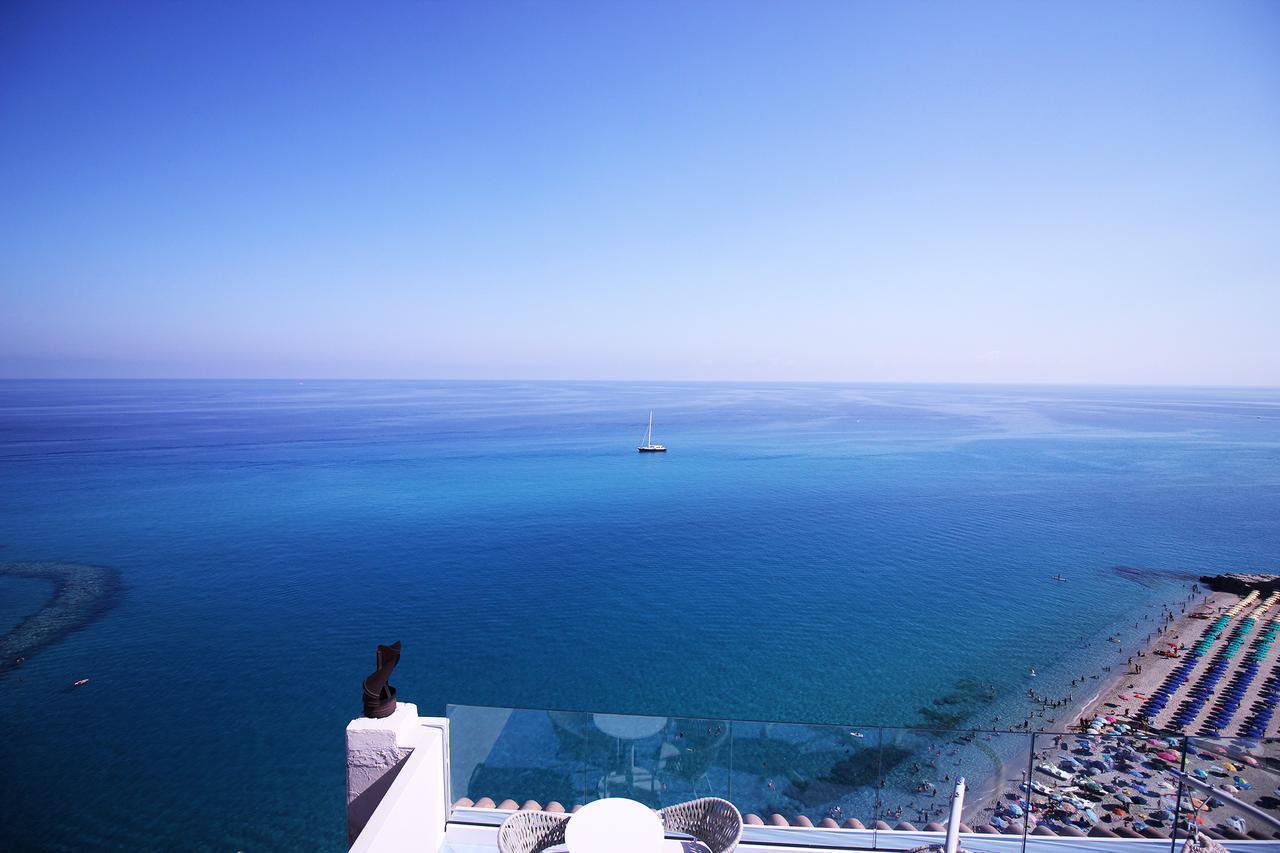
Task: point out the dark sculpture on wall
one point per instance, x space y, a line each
379 695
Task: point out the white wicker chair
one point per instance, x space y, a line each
531 832
713 821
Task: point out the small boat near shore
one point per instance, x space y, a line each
81 683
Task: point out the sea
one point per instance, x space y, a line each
821 553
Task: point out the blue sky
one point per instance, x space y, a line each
852 191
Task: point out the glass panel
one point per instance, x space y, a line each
920 772
815 771
1106 779
1231 787
573 757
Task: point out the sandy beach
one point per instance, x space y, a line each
1154 669
1112 775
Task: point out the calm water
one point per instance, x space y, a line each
814 552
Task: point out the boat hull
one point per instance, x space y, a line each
651 449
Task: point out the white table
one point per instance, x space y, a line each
614 825
627 727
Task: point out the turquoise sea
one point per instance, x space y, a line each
820 553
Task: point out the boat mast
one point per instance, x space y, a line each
648 442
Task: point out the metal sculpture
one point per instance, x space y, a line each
379 695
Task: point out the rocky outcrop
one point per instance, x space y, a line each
1242 583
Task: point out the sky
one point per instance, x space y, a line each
1074 192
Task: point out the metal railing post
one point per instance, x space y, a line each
1177 804
953 823
729 784
1031 767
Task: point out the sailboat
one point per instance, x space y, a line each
649 446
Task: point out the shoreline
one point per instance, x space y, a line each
1175 624
1183 629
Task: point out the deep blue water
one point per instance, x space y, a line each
803 552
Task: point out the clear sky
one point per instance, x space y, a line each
888 191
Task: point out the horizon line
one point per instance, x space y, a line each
920 382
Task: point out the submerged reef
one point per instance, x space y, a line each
1152 578
81 594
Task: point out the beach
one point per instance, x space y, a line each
1106 685
1115 695
1115 771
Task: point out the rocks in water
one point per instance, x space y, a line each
81 593
1242 583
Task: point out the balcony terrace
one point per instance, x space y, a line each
446 784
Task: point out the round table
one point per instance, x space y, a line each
614 825
628 727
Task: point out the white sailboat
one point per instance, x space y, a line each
648 446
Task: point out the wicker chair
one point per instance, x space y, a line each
531 832
714 822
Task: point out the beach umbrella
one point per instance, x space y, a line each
1167 756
